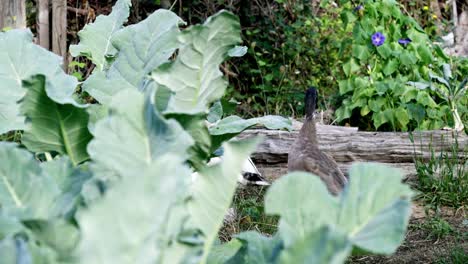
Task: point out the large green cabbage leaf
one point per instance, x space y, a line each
199 80
256 248
129 224
54 127
25 193
18 249
69 180
132 136
141 49
222 253
96 38
323 245
38 202
214 188
30 190
21 59
195 125
57 235
373 210
234 124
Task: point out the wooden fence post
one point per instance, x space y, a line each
59 29
43 25
12 14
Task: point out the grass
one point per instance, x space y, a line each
457 256
436 227
443 179
250 214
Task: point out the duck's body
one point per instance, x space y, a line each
306 156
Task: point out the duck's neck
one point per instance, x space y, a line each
309 131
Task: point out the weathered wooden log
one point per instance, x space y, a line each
347 145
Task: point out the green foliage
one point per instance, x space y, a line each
210 202
136 61
54 127
256 248
136 199
449 90
96 38
326 230
293 47
296 44
249 214
21 59
37 201
427 17
143 135
75 68
26 193
335 249
111 224
389 207
202 49
458 255
443 179
437 227
375 91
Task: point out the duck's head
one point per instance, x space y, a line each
311 100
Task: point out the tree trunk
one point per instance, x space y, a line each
43 25
59 29
12 14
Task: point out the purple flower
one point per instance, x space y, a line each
404 41
378 39
358 8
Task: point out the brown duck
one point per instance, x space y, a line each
305 154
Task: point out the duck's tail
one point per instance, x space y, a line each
251 175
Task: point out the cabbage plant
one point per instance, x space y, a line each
111 182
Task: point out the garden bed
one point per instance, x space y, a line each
436 234
432 237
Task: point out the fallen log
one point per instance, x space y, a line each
347 145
